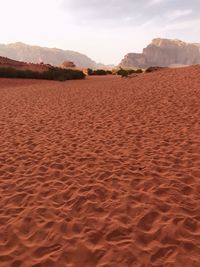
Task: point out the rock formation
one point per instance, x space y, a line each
164 53
68 64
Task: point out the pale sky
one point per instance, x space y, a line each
103 30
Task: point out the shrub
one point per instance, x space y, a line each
89 71
151 69
126 72
98 72
122 72
52 74
139 71
109 72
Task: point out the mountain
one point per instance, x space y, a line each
54 56
198 45
164 53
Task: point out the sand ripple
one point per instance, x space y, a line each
103 172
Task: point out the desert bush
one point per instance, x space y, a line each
98 72
89 71
150 69
155 68
126 72
63 74
122 72
139 71
52 74
109 72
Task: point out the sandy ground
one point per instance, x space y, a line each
103 172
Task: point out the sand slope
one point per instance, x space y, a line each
103 172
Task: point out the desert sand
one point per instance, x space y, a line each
103 172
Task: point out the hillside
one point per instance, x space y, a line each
164 53
19 65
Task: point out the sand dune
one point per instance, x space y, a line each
103 172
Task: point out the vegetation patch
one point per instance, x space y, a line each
122 72
152 69
127 72
53 73
99 72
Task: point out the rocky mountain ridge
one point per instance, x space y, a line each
164 53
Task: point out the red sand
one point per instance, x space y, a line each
103 172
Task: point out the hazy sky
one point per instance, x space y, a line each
102 29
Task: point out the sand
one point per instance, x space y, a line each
103 172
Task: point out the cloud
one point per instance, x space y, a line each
183 25
155 2
118 12
175 14
102 9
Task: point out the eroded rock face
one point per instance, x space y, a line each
134 60
164 53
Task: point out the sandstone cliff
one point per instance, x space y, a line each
164 53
